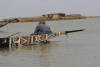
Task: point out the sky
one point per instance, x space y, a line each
31 8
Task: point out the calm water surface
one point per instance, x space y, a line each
81 49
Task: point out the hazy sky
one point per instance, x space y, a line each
30 8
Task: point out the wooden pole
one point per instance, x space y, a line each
73 31
13 34
67 40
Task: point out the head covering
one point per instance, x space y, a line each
42 22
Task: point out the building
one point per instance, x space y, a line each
54 15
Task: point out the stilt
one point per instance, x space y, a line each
67 39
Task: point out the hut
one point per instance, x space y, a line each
54 15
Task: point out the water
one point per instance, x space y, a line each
81 49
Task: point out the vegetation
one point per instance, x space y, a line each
35 19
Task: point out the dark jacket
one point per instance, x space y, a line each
42 29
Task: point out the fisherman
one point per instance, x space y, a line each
42 29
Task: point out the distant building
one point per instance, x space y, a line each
54 15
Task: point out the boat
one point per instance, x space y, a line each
3 24
31 39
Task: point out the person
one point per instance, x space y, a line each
42 29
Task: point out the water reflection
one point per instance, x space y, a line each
5 49
36 54
38 48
